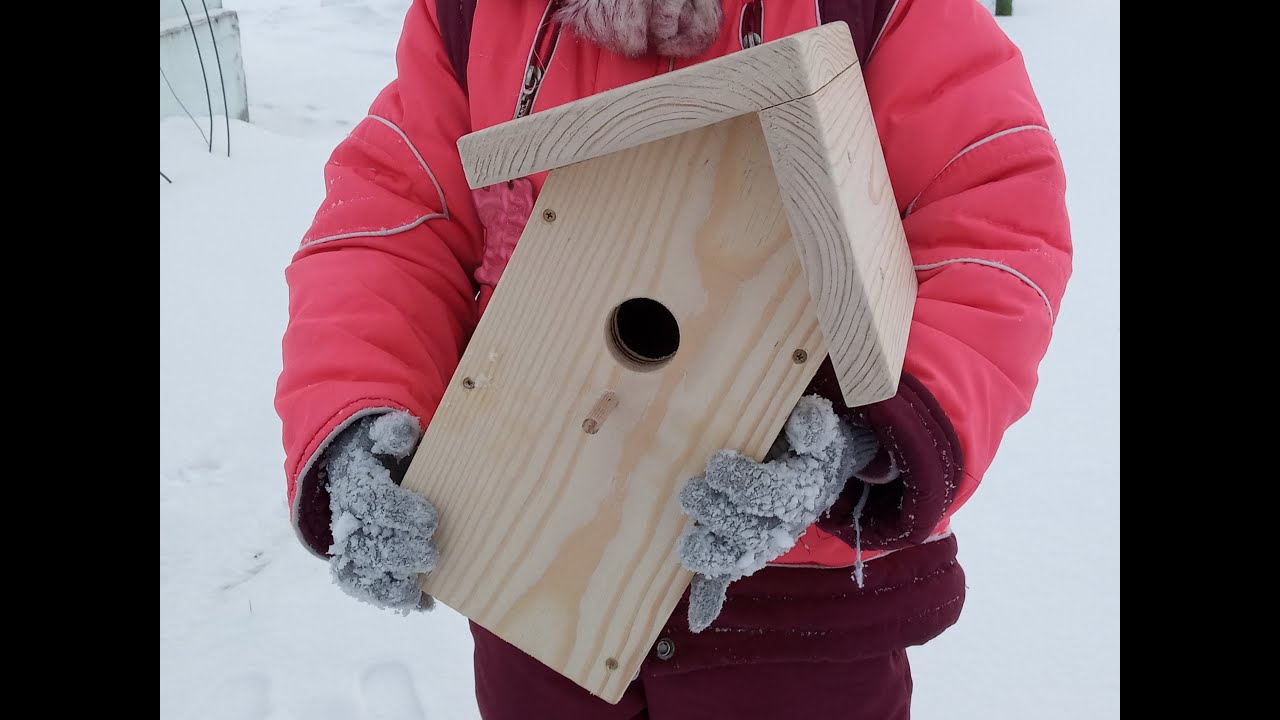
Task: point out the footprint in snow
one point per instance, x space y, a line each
243 697
389 693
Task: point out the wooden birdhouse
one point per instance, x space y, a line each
704 239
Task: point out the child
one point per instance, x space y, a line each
402 259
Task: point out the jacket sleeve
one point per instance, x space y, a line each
981 189
381 297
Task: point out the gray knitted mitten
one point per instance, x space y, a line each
747 513
381 531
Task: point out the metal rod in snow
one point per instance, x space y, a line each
226 112
200 56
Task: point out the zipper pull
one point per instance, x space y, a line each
528 90
540 53
751 24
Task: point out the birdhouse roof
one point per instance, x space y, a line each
749 81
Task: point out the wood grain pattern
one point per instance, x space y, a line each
743 82
563 542
835 186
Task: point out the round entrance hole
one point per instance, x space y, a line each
644 333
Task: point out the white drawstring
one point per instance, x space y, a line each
857 534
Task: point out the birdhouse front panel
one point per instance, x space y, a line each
654 311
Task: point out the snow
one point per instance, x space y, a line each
395 433
251 625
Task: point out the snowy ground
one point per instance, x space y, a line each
251 627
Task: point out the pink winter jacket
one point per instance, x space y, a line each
383 289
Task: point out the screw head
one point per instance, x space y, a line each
549 215
468 384
800 356
666 649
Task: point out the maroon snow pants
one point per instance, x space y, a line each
790 643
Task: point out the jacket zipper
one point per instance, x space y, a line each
750 32
544 46
751 24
